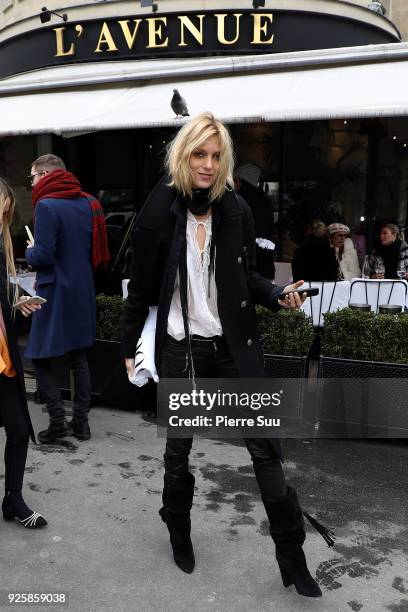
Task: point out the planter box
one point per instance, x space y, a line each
286 366
362 399
297 369
109 382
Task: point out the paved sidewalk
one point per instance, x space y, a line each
108 549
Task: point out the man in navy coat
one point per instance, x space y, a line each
62 254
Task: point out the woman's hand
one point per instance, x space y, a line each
293 300
381 276
27 309
130 366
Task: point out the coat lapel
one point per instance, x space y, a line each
167 287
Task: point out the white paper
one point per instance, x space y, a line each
26 282
145 367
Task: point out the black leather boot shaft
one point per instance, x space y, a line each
177 501
286 527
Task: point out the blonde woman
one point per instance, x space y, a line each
194 247
14 414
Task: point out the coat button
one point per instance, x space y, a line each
249 342
239 260
244 304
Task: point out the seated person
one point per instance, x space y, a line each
345 252
314 259
391 250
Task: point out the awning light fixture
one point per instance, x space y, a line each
258 4
45 15
377 7
145 3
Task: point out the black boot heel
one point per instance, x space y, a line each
286 527
162 513
298 574
179 527
286 579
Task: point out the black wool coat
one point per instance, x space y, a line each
12 344
158 238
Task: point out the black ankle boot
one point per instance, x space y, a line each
80 430
55 430
286 527
14 507
177 502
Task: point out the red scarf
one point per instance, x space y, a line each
61 184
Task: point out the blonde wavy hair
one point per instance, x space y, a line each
191 137
7 198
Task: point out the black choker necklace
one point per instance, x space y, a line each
199 203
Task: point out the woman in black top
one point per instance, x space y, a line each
14 414
391 250
194 257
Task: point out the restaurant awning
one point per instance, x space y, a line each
341 83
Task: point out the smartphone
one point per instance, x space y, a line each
31 299
309 292
29 234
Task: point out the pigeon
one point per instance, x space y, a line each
178 104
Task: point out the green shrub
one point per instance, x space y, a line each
287 332
109 317
350 334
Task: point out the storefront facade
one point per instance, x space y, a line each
307 100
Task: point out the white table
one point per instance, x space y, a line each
332 296
375 291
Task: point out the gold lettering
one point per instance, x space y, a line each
130 37
61 52
156 32
105 38
261 27
185 22
221 28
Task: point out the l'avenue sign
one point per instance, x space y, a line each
187 34
173 33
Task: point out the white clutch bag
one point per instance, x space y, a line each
145 367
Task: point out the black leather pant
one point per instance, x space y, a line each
212 359
17 432
47 382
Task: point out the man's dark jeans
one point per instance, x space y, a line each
212 359
48 385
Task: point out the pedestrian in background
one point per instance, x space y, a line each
14 415
246 181
69 241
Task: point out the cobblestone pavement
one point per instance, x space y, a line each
108 549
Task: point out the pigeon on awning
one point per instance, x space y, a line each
178 104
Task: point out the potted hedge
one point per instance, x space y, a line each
361 343
108 375
287 337
368 355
